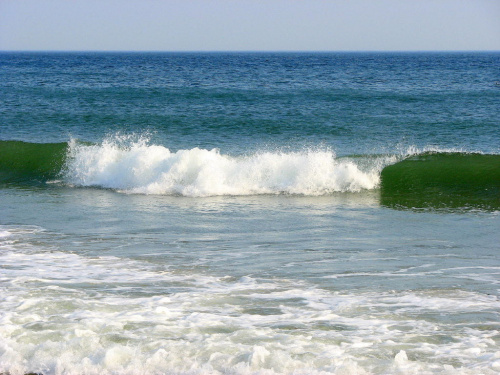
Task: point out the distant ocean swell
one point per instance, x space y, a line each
418 179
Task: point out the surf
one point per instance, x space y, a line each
415 179
141 168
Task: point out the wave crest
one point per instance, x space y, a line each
151 169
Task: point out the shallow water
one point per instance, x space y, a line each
126 284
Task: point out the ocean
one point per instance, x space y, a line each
249 213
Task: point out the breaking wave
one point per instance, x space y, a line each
151 169
414 179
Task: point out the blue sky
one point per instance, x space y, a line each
250 25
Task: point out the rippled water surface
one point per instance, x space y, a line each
249 214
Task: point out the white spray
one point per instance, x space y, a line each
141 168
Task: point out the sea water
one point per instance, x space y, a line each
249 213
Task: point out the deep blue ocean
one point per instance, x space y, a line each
249 213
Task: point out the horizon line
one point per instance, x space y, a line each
241 51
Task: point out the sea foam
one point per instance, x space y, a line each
64 313
141 168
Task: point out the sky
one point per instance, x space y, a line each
250 25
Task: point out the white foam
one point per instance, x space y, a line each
138 167
63 313
415 150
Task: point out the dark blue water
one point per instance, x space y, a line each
355 103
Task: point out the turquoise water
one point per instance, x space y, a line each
249 213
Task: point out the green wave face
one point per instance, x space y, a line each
428 180
443 180
30 163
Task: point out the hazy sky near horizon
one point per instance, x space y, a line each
250 25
